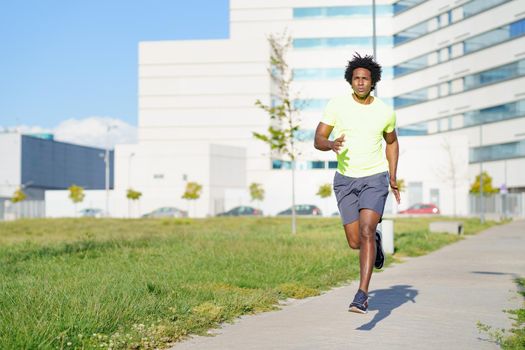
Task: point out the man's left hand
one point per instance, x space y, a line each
395 189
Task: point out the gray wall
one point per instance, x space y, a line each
48 164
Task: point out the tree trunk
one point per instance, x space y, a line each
294 227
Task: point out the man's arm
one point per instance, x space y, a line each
392 156
321 141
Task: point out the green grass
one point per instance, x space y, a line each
412 237
513 339
87 283
516 339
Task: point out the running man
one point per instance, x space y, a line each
360 121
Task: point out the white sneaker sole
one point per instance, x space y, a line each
356 310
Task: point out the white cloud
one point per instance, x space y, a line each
91 131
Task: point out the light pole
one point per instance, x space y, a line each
106 161
374 39
481 207
132 154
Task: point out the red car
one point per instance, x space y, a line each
421 208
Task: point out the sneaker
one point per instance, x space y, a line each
380 254
360 303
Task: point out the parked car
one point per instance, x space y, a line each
166 212
242 211
303 209
421 208
91 213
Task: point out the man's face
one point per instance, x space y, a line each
361 82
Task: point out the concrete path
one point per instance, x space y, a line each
430 302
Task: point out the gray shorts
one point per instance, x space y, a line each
356 193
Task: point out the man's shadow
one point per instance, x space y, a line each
386 300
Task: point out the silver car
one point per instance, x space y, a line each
166 212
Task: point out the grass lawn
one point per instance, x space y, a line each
514 338
91 283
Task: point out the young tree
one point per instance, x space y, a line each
450 172
192 192
283 111
401 185
256 192
76 194
487 185
325 191
132 196
18 196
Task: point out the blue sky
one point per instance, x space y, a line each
75 59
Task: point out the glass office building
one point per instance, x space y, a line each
450 69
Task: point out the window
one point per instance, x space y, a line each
300 165
508 71
474 7
318 73
281 164
403 5
309 43
413 130
304 135
332 164
310 104
478 42
495 113
316 164
330 73
497 152
472 81
307 12
341 11
442 20
468 119
411 98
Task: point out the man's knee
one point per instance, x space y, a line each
354 244
352 235
367 231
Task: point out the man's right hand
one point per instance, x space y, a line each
337 144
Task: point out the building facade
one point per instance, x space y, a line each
453 70
38 164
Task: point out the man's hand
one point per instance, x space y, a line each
395 189
338 143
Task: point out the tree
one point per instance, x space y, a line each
76 194
325 191
450 172
400 185
132 196
192 192
487 185
283 111
256 192
18 196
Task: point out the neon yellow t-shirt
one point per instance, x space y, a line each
363 125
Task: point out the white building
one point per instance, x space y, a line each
451 69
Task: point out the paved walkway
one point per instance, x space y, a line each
430 302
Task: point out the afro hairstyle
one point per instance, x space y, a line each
366 62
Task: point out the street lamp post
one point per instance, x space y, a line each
481 206
374 39
106 161
129 169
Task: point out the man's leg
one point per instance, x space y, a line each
352 234
368 220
